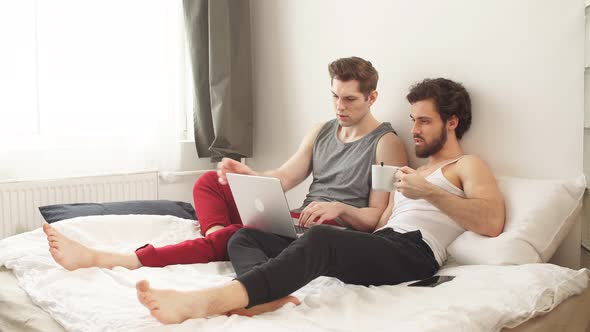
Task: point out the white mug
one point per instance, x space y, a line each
383 177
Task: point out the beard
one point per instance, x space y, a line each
429 149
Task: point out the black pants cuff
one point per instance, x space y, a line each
256 286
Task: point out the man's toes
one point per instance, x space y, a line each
142 286
157 314
153 305
149 297
144 299
56 254
49 230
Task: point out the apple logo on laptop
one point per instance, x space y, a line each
258 204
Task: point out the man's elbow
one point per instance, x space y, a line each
369 225
496 220
495 227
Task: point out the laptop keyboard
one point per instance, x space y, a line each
300 229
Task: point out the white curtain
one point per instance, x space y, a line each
105 77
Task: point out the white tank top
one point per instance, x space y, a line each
438 229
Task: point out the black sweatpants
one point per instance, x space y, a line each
271 267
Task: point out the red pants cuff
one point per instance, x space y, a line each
148 257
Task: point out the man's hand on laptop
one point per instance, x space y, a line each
227 165
318 212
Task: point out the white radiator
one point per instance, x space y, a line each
19 201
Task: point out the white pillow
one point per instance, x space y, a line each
539 215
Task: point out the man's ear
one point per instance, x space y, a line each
373 97
453 122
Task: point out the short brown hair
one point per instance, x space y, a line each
355 68
450 98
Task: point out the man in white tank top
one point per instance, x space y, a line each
452 192
431 206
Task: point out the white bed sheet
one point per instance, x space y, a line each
480 298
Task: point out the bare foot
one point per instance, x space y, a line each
265 307
68 253
170 306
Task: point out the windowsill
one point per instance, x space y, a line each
78 176
47 143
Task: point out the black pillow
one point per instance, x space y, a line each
57 212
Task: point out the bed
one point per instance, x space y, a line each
501 284
20 314
38 295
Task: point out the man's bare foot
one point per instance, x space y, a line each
170 306
66 252
265 307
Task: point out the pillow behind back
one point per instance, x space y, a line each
539 215
57 212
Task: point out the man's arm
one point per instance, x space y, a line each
391 151
291 173
387 212
481 211
299 166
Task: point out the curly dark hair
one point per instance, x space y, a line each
450 99
355 68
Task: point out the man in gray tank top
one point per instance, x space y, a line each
339 154
454 188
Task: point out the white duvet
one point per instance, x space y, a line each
480 298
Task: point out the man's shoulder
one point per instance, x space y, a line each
391 149
470 163
317 127
321 127
390 139
470 160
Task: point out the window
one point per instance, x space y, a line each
83 71
18 105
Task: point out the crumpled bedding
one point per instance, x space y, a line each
480 298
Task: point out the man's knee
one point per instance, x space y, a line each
206 180
319 234
242 238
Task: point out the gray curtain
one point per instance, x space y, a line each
218 33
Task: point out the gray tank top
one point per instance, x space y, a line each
342 171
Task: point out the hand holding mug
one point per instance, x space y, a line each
412 184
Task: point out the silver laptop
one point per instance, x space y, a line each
262 204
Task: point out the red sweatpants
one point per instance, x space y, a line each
214 205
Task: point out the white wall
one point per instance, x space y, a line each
522 62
